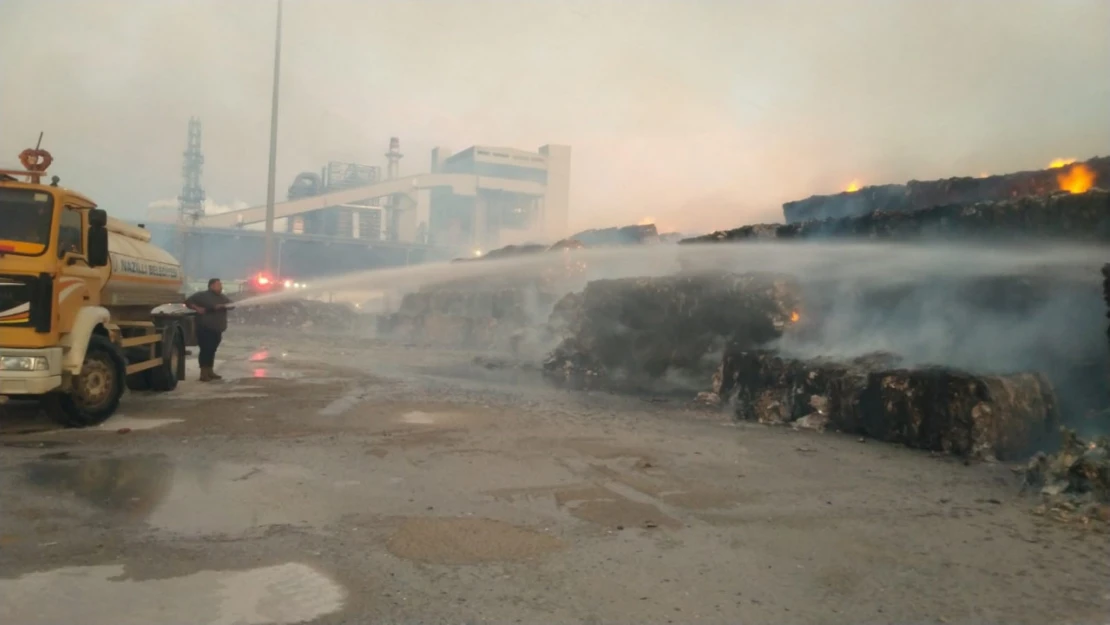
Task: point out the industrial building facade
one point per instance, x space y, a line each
471 201
516 192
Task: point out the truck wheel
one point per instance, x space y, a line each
165 377
95 393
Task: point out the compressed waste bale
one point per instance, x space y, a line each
938 409
1074 482
643 327
1069 216
767 388
918 195
941 409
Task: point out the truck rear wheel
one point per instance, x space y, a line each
95 394
165 377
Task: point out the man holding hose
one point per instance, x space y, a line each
211 308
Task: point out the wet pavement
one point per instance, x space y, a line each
333 481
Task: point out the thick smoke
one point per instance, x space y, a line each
704 115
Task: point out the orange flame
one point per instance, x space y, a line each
1078 179
795 317
853 186
1060 162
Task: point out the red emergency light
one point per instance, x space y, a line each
263 281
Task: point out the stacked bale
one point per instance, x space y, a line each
933 408
1071 216
919 195
639 329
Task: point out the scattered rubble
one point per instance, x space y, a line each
918 195
639 329
1072 216
1074 482
937 409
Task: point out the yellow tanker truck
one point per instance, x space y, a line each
78 291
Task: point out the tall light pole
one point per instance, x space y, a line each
273 149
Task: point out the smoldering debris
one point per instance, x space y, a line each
931 408
1074 482
625 235
1068 216
507 252
638 329
919 195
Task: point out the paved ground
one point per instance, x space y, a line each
399 486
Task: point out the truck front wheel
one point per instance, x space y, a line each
95 394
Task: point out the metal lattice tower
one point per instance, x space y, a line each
191 200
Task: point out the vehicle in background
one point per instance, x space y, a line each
265 284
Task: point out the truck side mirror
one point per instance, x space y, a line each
98 217
97 251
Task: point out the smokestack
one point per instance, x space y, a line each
393 157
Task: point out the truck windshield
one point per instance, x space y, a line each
25 216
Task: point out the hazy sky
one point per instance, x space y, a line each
702 114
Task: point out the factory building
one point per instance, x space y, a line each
474 200
516 194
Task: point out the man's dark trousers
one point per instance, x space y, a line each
208 341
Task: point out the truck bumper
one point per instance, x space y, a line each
17 382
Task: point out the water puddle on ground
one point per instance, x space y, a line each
417 417
103 595
122 422
468 541
188 498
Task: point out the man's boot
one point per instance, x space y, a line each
206 374
212 375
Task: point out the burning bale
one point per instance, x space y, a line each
1075 481
639 329
918 195
1080 217
937 409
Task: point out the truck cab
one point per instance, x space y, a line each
77 293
